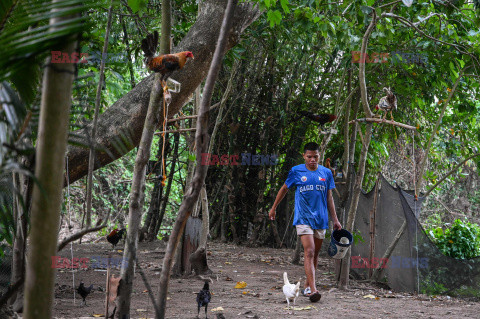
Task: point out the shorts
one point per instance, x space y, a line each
307 230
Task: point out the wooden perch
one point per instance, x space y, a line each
182 118
177 131
376 120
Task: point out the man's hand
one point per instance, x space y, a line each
337 225
272 213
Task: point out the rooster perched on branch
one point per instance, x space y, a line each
387 103
164 64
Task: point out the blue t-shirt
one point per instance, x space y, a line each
311 195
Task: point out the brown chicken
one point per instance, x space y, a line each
164 64
115 236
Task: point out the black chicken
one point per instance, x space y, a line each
115 236
84 292
203 298
321 118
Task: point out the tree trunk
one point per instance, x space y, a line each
20 240
91 157
352 211
197 261
46 202
297 252
205 219
201 138
138 182
166 27
124 120
190 237
148 230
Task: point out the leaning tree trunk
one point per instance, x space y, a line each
47 193
138 179
136 201
201 137
357 188
122 123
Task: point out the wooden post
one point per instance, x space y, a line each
373 213
108 287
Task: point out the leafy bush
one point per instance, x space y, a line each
461 240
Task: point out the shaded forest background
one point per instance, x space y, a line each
301 63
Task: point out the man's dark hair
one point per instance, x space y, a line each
311 146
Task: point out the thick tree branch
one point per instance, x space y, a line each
120 127
201 141
450 173
78 235
361 75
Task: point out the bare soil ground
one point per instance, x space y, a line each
262 270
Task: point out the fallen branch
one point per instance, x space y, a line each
375 120
79 235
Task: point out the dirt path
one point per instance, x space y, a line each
262 270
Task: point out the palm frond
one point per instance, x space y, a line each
27 38
12 115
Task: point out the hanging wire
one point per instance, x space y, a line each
70 222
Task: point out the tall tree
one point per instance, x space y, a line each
201 139
47 194
138 180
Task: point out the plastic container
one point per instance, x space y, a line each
337 250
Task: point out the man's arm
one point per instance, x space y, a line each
331 210
280 196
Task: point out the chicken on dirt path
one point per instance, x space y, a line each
115 236
290 291
84 292
203 298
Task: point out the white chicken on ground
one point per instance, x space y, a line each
290 291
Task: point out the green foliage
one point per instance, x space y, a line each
461 240
26 38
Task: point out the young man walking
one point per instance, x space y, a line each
313 202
